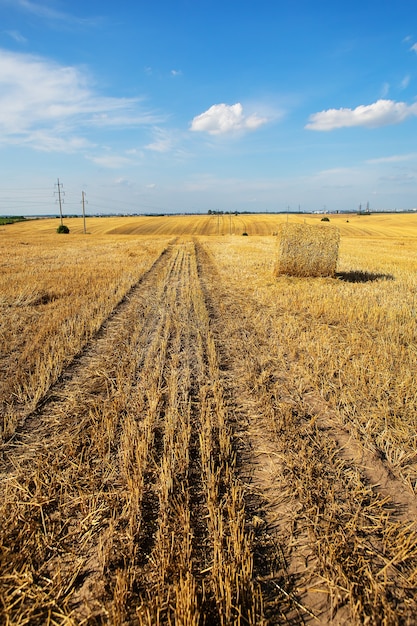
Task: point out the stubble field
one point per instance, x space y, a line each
187 439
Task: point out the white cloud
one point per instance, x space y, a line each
380 113
163 141
14 34
48 142
129 116
221 119
110 161
414 47
45 12
38 9
385 90
395 158
123 182
48 106
134 152
405 81
401 177
336 175
176 73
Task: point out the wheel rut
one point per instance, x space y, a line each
80 468
123 504
333 510
376 472
30 421
181 471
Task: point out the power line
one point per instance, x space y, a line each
83 203
36 199
60 200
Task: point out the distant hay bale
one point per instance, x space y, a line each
306 250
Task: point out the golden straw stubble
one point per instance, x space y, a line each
306 250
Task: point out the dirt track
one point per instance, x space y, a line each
181 469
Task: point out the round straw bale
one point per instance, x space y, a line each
305 250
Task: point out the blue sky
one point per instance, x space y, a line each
190 105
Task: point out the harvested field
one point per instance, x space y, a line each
188 439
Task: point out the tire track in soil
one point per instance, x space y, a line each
92 560
30 421
376 472
103 477
166 485
312 598
59 431
176 480
183 575
271 508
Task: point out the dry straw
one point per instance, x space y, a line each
306 250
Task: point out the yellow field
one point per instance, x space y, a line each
187 439
402 225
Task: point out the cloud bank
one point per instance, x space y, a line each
51 107
222 119
380 113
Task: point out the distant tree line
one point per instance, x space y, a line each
11 220
213 212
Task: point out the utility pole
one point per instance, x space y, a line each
83 203
60 193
